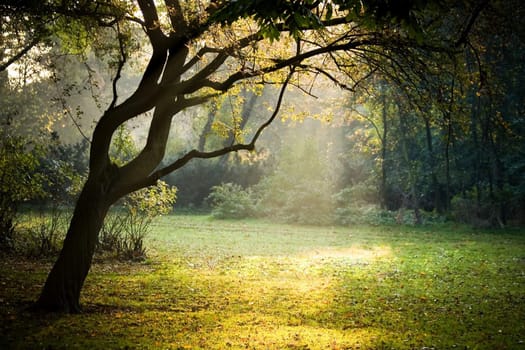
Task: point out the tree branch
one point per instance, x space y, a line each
329 76
176 16
198 56
121 63
295 60
198 100
155 176
475 14
21 53
152 23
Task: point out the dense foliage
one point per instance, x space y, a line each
447 140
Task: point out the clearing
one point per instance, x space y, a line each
252 284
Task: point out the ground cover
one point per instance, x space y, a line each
212 284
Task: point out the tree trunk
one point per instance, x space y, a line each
61 291
447 162
383 138
435 187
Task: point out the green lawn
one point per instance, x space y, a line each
212 284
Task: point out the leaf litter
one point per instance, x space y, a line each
286 287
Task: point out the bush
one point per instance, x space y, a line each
231 201
296 200
433 217
467 209
126 228
18 182
36 170
360 193
356 205
136 229
50 232
300 188
110 236
364 214
42 233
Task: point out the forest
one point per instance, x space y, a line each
240 145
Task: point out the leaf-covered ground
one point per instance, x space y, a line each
256 285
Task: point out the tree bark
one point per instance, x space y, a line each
61 292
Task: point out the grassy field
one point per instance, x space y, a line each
257 285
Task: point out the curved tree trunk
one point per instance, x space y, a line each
61 291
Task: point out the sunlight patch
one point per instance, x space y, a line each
275 332
353 254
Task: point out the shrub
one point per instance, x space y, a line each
360 193
231 201
433 217
296 200
40 234
18 182
356 205
36 171
126 228
300 188
110 236
467 209
141 208
50 232
354 214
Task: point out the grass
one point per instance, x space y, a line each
257 285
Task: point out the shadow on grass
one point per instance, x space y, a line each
331 289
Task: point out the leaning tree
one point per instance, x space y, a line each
198 51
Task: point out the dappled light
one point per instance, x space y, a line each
352 255
254 284
239 174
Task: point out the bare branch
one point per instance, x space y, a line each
198 56
336 81
67 111
209 69
277 107
198 100
136 20
304 90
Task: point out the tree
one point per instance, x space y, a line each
198 52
